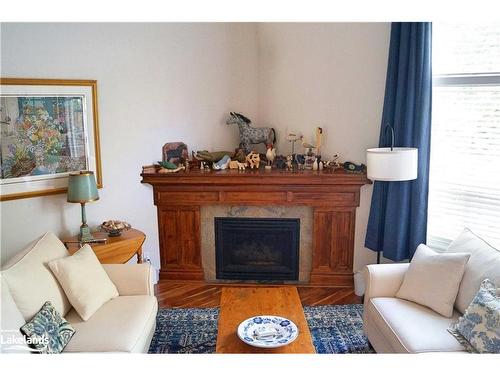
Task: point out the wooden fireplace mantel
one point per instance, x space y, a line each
334 196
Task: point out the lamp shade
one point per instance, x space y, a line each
398 164
82 187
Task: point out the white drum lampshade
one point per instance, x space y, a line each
392 164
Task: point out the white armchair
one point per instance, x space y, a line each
394 325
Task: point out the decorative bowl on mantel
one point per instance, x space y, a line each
114 228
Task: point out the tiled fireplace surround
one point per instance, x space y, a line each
207 214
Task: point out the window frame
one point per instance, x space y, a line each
472 79
460 80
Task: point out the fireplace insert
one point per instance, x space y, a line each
261 249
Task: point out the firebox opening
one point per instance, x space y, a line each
263 249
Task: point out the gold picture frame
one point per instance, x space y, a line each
84 93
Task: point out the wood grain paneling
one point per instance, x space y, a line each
187 197
180 254
325 198
333 241
260 197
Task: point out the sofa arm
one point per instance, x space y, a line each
131 279
383 280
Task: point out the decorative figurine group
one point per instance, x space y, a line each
176 157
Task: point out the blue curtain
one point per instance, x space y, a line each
398 214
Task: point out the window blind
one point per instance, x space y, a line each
464 183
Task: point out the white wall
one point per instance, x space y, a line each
156 83
330 75
167 82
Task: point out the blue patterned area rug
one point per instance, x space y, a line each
334 329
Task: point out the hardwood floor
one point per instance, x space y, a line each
201 294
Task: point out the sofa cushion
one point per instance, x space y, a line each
30 280
84 280
433 279
11 319
484 263
479 328
410 327
48 332
123 324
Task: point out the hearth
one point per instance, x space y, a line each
264 249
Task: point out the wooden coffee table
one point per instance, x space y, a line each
240 303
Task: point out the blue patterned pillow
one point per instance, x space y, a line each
48 332
478 330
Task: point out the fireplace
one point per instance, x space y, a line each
185 230
264 249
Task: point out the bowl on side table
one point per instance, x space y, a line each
114 228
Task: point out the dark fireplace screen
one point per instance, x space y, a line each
257 249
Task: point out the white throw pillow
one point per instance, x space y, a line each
484 263
84 280
30 281
433 279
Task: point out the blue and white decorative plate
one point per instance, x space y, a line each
267 331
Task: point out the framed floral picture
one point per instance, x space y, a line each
49 128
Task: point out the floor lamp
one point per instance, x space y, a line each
391 164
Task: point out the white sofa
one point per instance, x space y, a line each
395 325
123 324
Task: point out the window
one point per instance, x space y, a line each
464 186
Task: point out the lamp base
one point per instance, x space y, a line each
85 235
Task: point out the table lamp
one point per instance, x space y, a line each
82 188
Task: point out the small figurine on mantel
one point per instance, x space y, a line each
310 155
319 136
168 167
222 163
280 162
300 159
270 155
292 138
309 159
253 160
350 166
315 164
212 157
250 135
235 164
175 152
333 163
215 156
289 162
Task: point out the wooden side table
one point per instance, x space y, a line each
116 249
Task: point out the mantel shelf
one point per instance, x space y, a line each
253 177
